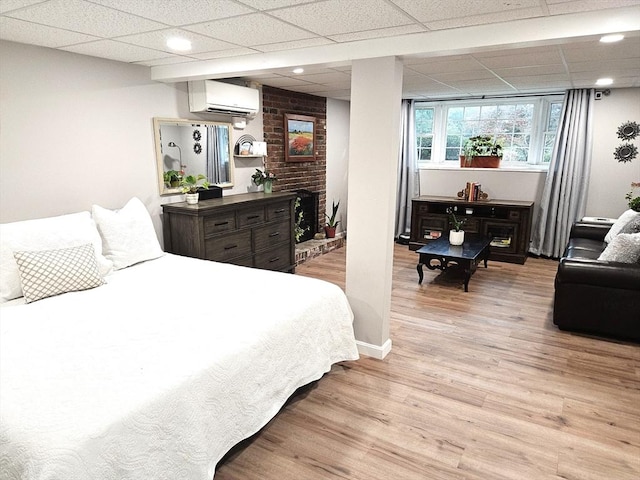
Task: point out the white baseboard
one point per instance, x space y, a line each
375 351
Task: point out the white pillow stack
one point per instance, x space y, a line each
623 247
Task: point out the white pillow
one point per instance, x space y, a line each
50 233
46 273
127 234
625 218
625 248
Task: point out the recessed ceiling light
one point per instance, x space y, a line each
615 37
601 82
179 44
298 70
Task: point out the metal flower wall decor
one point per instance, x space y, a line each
627 151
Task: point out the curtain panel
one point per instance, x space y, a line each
565 191
408 175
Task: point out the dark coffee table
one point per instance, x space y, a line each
466 256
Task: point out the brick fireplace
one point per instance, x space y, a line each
293 176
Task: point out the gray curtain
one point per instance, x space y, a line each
408 177
565 190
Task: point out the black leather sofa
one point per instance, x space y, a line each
594 296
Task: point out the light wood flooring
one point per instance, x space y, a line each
478 386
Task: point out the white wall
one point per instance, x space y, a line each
338 156
610 180
77 130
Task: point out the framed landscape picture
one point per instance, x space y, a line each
300 138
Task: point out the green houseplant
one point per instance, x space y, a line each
332 223
456 234
634 202
172 178
190 185
265 178
482 151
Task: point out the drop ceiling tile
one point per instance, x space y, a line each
539 80
250 30
428 11
269 4
85 17
8 5
603 68
113 50
158 41
284 82
379 33
480 86
174 59
334 17
462 76
550 56
309 42
461 64
329 76
560 7
195 11
530 71
496 17
229 52
26 32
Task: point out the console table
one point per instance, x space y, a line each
252 229
508 222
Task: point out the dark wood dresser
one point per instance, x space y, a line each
507 221
252 229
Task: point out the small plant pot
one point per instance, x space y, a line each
268 186
456 238
330 232
192 198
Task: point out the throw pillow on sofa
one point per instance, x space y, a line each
620 223
624 248
633 226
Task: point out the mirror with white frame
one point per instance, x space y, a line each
192 147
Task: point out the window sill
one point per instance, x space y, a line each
502 168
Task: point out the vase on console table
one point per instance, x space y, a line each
192 198
456 237
268 186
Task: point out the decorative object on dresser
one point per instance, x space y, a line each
190 185
252 229
473 193
507 221
264 178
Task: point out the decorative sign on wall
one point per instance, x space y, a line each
627 151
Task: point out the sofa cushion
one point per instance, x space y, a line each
582 254
624 248
620 223
633 226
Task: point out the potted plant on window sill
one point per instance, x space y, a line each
332 223
481 151
190 185
456 235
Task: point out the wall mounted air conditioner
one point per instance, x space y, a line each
219 97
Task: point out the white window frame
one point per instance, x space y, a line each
542 109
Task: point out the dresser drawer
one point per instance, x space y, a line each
219 223
272 234
230 246
278 211
247 218
276 259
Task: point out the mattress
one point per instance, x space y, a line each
160 371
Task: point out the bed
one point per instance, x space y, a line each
162 368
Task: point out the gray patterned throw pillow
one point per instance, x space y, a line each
47 273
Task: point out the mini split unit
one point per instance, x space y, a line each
219 97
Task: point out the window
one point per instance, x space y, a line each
526 126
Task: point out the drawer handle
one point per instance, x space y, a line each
280 210
219 224
274 234
230 247
274 259
252 217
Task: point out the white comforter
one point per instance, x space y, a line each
156 374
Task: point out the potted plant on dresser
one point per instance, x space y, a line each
332 223
481 151
190 185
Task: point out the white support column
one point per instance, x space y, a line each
376 95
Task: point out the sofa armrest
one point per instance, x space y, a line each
593 231
599 273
